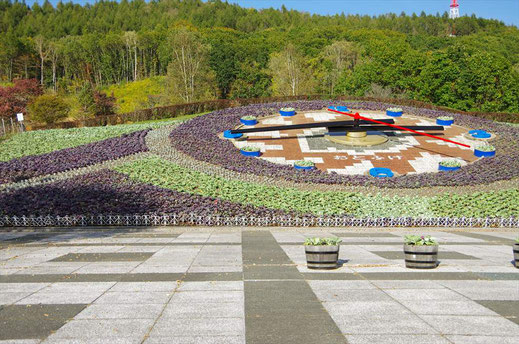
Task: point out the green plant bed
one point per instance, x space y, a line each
480 204
420 240
45 141
156 171
322 241
162 173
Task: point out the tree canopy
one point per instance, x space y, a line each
241 52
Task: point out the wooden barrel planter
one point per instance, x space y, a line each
516 255
322 257
421 257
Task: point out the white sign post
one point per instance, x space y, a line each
19 117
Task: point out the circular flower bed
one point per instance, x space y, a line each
199 139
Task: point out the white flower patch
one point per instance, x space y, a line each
315 160
303 143
281 161
429 162
459 138
273 134
276 120
358 168
273 147
262 146
405 141
371 114
322 116
425 122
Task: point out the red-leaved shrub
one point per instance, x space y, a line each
14 99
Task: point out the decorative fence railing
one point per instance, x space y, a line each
10 126
196 220
177 110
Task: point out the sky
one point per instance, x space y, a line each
504 10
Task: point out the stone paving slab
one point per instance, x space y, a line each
35 321
491 339
507 309
196 340
201 285
442 255
103 257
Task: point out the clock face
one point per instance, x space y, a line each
402 152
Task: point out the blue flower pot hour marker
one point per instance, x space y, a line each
394 113
247 153
285 113
447 168
480 134
248 121
444 122
304 167
381 172
484 154
227 134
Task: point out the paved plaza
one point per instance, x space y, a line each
224 285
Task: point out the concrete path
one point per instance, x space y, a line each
192 285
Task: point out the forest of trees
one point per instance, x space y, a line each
213 49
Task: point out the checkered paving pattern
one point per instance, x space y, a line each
404 153
200 285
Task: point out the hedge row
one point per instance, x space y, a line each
177 110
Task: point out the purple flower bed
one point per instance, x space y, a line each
108 192
72 158
199 139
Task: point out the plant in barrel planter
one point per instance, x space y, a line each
394 112
250 151
483 151
249 120
445 120
322 253
287 112
449 165
516 253
421 252
304 165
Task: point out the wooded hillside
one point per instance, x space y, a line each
213 49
